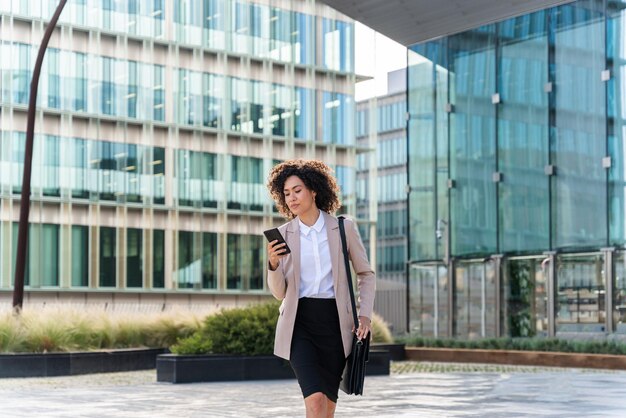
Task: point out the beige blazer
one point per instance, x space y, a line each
284 282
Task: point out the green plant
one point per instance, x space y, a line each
521 293
247 331
522 344
196 343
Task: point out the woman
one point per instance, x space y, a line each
315 325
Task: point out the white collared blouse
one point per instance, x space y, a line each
316 278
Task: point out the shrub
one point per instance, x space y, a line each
196 343
246 331
249 331
522 344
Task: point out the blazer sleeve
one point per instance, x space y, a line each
276 281
366 278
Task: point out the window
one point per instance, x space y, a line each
42 254
209 260
189 261
80 256
108 257
158 259
134 257
234 272
247 190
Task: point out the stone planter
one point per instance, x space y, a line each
396 351
66 364
174 368
526 358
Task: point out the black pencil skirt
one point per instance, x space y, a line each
317 356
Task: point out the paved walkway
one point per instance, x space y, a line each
413 390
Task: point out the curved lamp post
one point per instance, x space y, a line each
22 236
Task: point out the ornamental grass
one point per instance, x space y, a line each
67 329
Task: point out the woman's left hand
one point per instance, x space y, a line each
365 326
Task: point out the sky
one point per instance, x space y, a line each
375 56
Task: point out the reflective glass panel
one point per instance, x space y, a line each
281 112
200 22
472 142
196 174
338 118
80 256
303 38
475 300
256 256
422 142
523 141
209 260
108 257
246 191
134 257
580 305
304 113
42 255
429 293
346 180
158 258
189 261
579 136
337 39
234 267
616 112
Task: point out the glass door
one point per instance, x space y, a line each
475 299
428 300
580 304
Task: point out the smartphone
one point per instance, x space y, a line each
273 235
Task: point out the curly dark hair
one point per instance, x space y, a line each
315 175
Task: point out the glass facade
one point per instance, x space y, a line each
381 183
516 170
84 169
157 125
79 82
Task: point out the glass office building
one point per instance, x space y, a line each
157 124
517 155
381 194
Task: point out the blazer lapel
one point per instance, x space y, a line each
293 241
334 245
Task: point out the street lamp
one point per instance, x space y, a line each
22 235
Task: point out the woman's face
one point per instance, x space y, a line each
298 197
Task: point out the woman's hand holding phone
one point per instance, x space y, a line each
277 247
276 251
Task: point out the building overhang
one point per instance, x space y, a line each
412 21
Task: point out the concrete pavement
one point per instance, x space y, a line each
413 390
